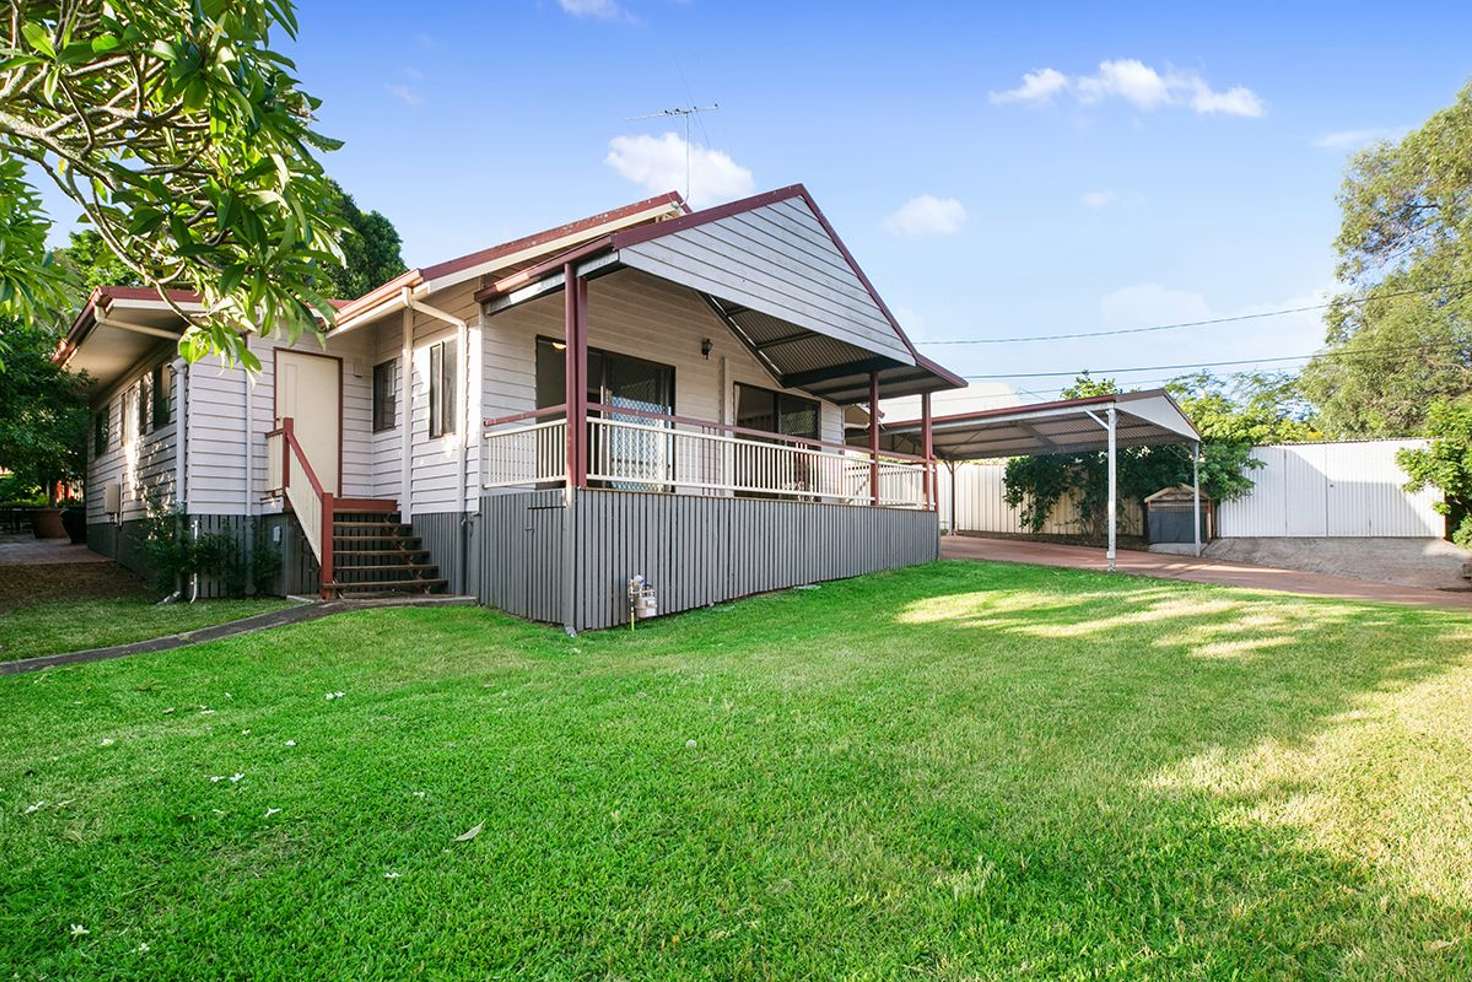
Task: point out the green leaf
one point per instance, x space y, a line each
38 37
103 43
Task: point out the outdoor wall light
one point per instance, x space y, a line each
705 346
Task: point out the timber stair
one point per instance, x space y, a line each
375 554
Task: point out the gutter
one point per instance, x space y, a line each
462 340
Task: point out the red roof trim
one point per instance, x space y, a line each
539 238
418 275
634 236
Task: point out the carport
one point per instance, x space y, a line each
1147 418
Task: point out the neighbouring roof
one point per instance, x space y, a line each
1145 418
774 270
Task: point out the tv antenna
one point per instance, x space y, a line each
685 113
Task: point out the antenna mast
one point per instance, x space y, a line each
682 112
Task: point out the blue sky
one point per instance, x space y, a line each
1193 175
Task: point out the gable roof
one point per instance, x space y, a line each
781 277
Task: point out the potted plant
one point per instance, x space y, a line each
74 520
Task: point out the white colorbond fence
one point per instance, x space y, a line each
1313 490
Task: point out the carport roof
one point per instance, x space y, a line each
1143 418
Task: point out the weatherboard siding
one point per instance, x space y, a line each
777 259
145 465
634 314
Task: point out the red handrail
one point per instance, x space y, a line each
558 410
290 446
744 430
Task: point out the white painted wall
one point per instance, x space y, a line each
1351 489
635 314
142 463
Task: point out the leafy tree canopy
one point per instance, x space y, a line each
186 141
1446 464
370 250
1402 337
43 418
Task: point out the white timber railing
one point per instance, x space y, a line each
525 450
635 449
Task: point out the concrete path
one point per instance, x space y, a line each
1198 570
305 611
27 550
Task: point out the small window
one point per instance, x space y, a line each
129 415
442 388
145 400
385 395
99 431
163 386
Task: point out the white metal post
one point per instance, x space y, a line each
1113 491
1196 495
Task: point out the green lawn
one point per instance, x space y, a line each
52 627
960 770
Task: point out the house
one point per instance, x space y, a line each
648 392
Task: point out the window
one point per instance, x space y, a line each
442 388
145 400
163 385
385 395
777 412
129 421
99 431
613 380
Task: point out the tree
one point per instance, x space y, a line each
1446 464
89 263
1232 418
187 143
370 250
1400 336
43 416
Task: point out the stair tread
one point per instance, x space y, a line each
381 552
373 567
354 524
386 584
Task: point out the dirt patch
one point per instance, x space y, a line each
22 586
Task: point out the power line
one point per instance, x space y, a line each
1208 364
1202 323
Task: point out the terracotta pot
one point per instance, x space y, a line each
74 520
46 523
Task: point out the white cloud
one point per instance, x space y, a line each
658 164
927 215
1132 81
404 94
1099 199
601 9
1352 139
1039 86
1129 79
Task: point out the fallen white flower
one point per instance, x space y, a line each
35 808
335 695
419 794
690 744
142 948
291 743
272 811
105 742
168 711
216 778
245 732
78 930
391 875
235 778
206 712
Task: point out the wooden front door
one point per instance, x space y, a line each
309 390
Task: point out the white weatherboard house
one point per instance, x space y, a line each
646 392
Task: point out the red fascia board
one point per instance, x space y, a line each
549 235
547 266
